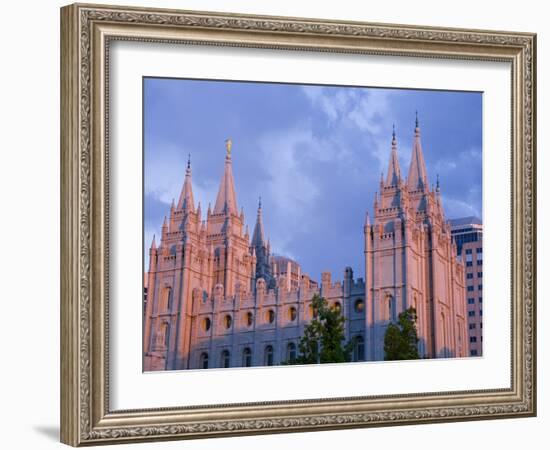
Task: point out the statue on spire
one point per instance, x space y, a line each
228 144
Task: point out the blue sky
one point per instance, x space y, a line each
313 153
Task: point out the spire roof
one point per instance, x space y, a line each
186 200
226 201
417 178
258 239
394 171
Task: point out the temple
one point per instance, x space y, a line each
218 297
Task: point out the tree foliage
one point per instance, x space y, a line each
326 330
401 338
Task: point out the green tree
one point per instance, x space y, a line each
324 338
401 339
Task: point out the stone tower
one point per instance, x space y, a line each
410 260
195 259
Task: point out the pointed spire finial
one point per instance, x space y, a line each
416 119
154 243
186 200
437 183
226 200
260 202
393 132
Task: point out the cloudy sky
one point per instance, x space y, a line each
313 153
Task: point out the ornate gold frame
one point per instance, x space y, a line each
86 31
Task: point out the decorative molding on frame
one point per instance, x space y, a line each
84 378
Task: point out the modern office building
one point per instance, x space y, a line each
468 235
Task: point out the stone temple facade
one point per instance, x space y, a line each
218 297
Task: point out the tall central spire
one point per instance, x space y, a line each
394 172
258 235
186 200
226 201
417 178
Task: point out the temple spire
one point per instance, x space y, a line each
417 178
226 201
186 200
154 243
394 171
258 239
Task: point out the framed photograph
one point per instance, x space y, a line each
275 224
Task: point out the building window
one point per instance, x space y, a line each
206 323
480 274
473 352
479 250
227 320
204 360
468 251
387 309
471 301
480 299
359 306
337 307
166 331
471 313
469 276
358 348
470 288
469 264
167 301
312 311
473 339
292 313
270 316
291 352
268 356
472 326
247 357
249 318
225 359
480 312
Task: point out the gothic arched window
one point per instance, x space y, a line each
337 307
226 360
249 319
292 313
268 356
227 320
166 332
359 305
167 300
387 309
358 348
312 311
203 361
247 357
270 316
206 323
291 352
